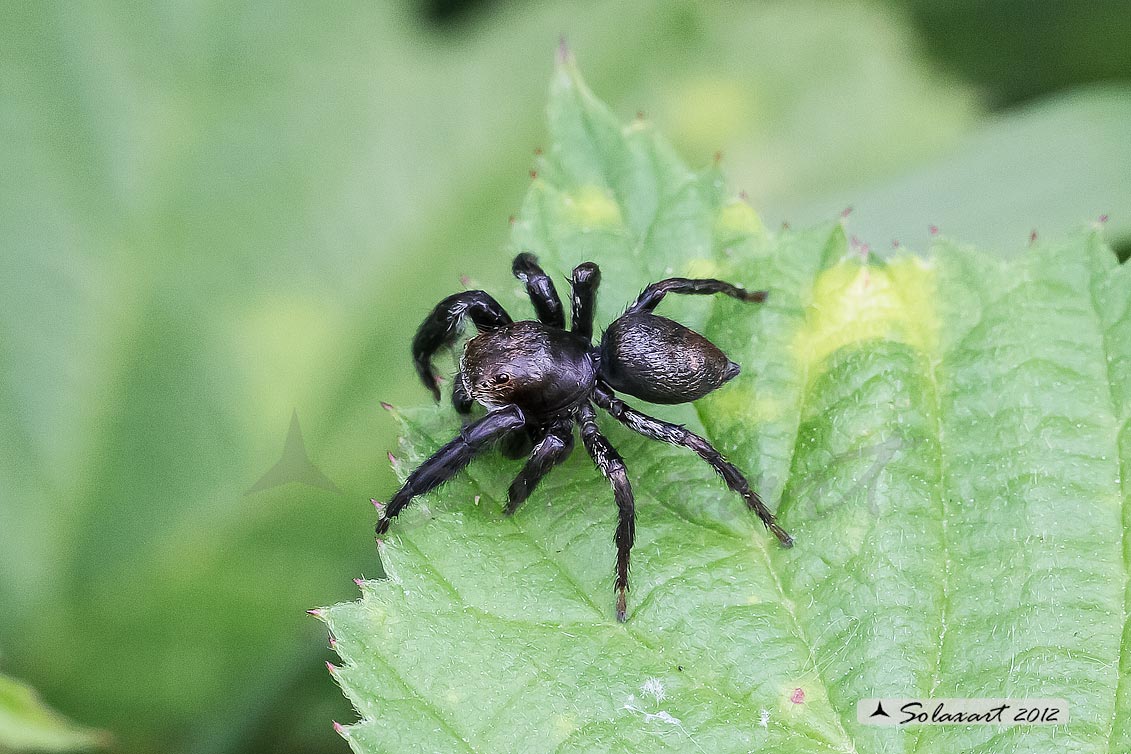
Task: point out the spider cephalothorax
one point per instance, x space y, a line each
537 380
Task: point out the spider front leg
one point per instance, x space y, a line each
444 324
449 460
584 282
612 466
541 290
674 434
461 400
650 298
551 450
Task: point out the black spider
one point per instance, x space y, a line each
538 379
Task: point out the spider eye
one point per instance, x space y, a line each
502 378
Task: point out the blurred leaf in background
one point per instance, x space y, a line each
803 107
1017 51
27 724
1048 168
214 218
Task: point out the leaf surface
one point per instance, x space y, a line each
27 724
945 436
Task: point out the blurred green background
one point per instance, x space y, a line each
220 224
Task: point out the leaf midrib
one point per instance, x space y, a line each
1118 429
932 360
799 630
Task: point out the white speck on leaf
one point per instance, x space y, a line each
655 688
662 716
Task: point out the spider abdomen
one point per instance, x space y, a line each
661 361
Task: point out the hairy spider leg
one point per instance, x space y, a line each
612 466
449 460
650 298
444 325
461 401
541 290
584 282
674 434
553 448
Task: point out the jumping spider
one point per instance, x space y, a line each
537 379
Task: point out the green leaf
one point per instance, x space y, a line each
945 436
27 724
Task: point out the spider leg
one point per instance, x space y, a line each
541 290
612 466
654 293
586 277
446 462
444 324
461 401
554 448
675 434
